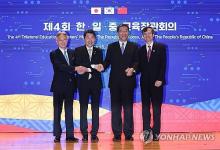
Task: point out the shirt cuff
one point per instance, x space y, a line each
89 69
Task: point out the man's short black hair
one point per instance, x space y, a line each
122 25
89 31
146 28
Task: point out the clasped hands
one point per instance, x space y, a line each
129 71
82 69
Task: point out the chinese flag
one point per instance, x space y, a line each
122 10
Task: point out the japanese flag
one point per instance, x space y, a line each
96 10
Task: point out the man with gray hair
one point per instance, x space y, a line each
63 86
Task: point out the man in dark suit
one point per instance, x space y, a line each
152 66
63 86
123 58
89 83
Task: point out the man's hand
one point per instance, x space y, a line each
99 68
81 69
158 83
129 71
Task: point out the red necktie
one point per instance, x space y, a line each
149 53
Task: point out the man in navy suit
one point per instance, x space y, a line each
89 83
152 66
63 86
123 58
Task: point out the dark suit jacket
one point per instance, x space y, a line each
120 62
156 67
82 59
63 78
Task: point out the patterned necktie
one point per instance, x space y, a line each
149 52
66 57
90 53
122 48
90 58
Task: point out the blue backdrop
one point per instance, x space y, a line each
190 28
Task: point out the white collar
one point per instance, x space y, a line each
89 47
63 50
125 42
151 45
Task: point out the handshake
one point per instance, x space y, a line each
82 69
98 67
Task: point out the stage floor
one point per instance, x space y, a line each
169 141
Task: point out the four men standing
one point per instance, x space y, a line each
125 60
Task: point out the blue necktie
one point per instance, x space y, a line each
66 57
122 48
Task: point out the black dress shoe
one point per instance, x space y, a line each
129 138
156 137
94 139
57 140
85 138
117 139
72 139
